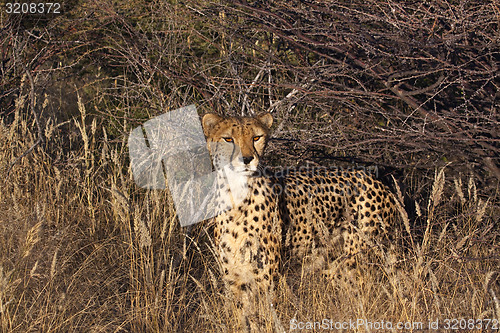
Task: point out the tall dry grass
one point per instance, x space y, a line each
84 250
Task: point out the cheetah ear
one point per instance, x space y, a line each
208 121
266 119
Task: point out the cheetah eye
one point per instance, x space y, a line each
256 138
228 139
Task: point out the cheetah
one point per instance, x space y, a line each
322 208
247 231
299 213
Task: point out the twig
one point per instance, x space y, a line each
249 88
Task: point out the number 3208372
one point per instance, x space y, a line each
33 8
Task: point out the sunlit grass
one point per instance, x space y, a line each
83 249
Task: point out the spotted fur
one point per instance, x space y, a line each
247 227
302 213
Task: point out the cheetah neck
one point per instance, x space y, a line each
233 188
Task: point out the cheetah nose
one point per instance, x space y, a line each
248 159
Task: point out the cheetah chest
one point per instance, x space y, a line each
248 236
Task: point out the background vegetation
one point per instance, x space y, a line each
408 87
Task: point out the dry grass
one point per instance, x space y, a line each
84 250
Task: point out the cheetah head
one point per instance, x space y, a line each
237 142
